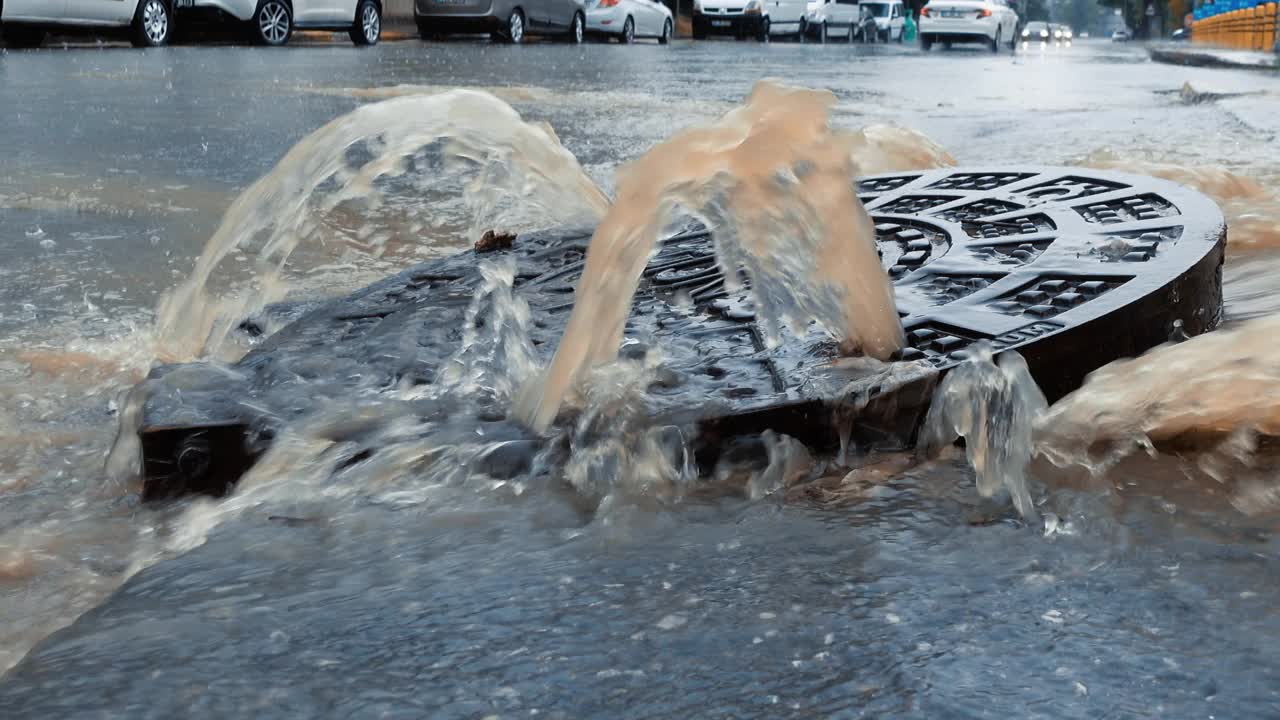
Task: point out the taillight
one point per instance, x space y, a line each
609 3
924 11
984 13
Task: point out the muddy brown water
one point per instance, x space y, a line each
884 589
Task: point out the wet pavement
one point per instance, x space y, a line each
480 599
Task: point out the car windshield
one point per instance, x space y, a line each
1037 26
877 9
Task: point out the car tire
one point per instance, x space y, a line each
366 28
152 24
577 30
926 43
515 27
665 38
272 23
19 37
763 34
995 42
628 35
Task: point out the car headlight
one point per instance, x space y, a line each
1026 33
753 7
1044 33
697 6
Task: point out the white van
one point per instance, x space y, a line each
853 19
748 18
890 18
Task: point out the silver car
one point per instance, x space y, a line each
24 23
272 22
506 20
627 20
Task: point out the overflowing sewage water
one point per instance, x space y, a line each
1117 547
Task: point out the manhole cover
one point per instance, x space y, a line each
1073 268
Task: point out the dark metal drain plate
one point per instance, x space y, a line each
1072 268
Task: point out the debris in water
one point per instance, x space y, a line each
494 240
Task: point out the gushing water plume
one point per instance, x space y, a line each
1130 404
775 183
991 403
520 164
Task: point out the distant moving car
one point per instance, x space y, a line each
272 22
1181 35
748 18
1037 32
630 19
511 21
24 23
849 20
992 22
1121 36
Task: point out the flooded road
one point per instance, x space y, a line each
897 593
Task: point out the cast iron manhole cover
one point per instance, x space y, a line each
1073 268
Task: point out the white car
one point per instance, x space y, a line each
748 18
272 22
24 23
847 19
890 16
1121 36
630 19
992 22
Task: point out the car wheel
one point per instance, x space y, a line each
764 30
995 42
628 32
272 23
515 27
22 37
367 26
926 43
152 24
577 29
665 38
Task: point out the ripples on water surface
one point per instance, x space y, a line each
887 589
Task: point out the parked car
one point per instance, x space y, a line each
507 20
272 22
889 17
748 18
848 19
1121 35
24 23
629 19
966 21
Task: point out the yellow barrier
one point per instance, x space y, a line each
1269 27
1249 29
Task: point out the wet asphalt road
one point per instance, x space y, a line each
148 147
115 166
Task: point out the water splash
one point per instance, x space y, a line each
518 167
992 402
774 182
1130 405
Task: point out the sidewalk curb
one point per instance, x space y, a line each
1213 58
